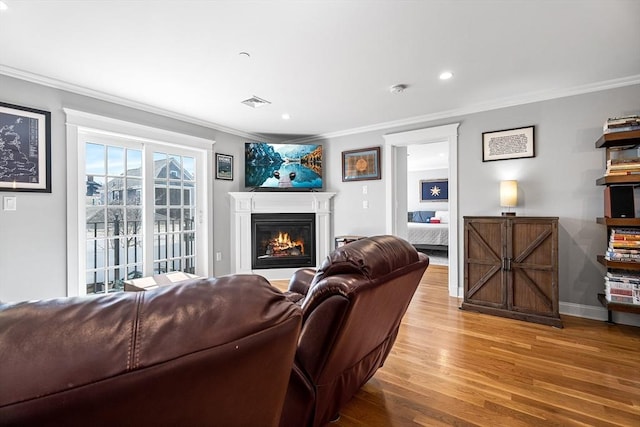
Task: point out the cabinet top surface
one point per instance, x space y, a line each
511 217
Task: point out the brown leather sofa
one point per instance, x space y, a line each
352 307
214 352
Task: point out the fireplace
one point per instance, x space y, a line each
283 240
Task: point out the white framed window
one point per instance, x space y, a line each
138 203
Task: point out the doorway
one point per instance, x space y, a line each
396 162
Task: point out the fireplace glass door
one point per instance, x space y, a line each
283 240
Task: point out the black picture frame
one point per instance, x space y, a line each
25 149
361 165
508 144
224 166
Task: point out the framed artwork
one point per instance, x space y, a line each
434 190
508 144
224 166
360 165
25 149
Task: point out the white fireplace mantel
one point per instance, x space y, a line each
245 203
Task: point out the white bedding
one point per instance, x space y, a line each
421 233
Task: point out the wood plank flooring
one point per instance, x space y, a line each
451 367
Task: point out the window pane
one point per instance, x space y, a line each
134 221
176 220
95 281
175 167
134 250
95 190
134 271
115 221
116 189
95 221
160 165
115 161
159 267
134 191
160 246
189 196
134 162
174 196
94 159
189 168
95 254
161 194
189 219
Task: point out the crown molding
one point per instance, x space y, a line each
80 90
528 98
476 108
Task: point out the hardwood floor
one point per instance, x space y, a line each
453 367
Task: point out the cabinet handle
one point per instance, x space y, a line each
508 264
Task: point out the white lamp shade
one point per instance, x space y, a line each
508 193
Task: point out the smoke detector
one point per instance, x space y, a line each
397 88
255 102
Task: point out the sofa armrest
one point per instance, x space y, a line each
301 280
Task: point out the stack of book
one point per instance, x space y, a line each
624 166
622 124
622 288
624 245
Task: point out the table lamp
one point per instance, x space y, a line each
509 196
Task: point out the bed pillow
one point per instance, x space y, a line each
443 215
422 216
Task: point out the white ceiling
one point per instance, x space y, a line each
329 64
422 157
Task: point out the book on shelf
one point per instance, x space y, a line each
622 230
621 129
619 124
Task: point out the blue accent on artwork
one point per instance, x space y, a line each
434 191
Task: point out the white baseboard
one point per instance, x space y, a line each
598 313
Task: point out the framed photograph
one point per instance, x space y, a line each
224 166
508 144
360 165
434 190
25 149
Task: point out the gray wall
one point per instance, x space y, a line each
33 238
559 181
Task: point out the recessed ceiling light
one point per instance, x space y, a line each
3 6
286 116
446 75
245 55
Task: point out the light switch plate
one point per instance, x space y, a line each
9 203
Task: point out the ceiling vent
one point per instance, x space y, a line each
255 102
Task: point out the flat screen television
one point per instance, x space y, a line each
282 166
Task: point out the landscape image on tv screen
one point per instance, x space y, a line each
283 165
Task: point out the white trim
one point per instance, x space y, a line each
527 98
80 90
581 310
129 130
447 133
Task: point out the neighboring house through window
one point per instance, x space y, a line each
137 203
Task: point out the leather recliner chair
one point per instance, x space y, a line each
352 308
214 352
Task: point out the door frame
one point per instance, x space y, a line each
393 144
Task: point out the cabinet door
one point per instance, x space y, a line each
532 262
484 278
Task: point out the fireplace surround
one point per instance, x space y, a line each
244 204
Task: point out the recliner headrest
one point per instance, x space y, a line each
370 257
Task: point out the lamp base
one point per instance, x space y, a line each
508 214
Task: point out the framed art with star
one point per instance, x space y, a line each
434 190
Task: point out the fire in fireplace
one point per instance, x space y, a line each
283 240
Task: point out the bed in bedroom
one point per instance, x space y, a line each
429 229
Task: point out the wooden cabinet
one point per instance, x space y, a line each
511 267
615 142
